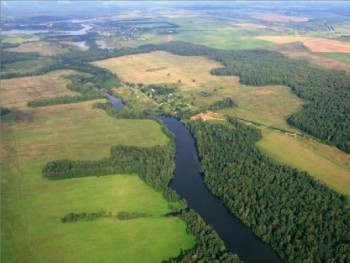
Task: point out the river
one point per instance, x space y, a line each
188 183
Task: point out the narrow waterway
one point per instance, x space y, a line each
188 183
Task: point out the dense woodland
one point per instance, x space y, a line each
303 220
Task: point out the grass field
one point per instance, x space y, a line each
339 56
43 48
327 164
13 39
32 206
16 92
28 66
314 44
267 104
325 60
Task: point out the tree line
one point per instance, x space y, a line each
153 164
302 219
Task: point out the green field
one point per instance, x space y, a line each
32 206
14 39
339 56
327 164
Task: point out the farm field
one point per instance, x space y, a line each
338 61
32 206
327 164
313 44
34 88
13 39
43 48
267 104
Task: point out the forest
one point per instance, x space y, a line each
302 219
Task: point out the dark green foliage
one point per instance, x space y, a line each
303 220
154 165
4 111
75 217
126 215
63 100
209 248
222 104
10 57
64 169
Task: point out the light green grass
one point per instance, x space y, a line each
327 164
13 39
31 206
345 57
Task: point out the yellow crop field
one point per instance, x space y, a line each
15 93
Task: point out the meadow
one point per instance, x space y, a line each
41 47
327 164
33 206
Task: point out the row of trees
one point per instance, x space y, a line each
303 220
154 165
83 216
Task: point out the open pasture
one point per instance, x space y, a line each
76 131
15 93
338 61
313 44
14 39
327 164
32 206
267 104
41 47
